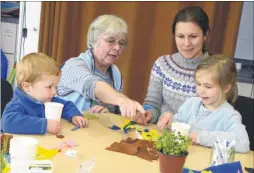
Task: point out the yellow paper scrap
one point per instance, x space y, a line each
46 154
126 121
6 169
151 135
139 129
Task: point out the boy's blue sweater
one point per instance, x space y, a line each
24 115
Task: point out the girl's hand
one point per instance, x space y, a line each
164 120
193 137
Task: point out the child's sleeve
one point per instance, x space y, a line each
69 109
16 121
234 130
182 115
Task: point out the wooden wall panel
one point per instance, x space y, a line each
232 27
64 27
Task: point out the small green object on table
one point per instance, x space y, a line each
89 116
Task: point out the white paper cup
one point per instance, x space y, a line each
183 128
53 110
25 147
22 150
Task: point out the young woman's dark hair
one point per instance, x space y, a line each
193 14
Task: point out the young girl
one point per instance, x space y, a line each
210 115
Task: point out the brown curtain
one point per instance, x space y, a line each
64 26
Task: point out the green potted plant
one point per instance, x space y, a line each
172 151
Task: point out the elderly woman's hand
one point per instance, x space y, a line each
98 109
129 107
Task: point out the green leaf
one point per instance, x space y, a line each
171 143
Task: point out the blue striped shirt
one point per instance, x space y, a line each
80 77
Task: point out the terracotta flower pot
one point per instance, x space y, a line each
171 164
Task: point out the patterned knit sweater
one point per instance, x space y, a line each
171 83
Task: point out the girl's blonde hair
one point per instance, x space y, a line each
32 66
224 73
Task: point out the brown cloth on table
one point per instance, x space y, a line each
141 148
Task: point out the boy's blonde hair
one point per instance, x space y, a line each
33 65
224 73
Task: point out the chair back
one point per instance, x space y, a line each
244 105
6 94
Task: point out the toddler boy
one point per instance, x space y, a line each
37 77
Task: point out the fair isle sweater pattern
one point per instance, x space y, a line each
175 78
171 83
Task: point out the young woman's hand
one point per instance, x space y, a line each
142 118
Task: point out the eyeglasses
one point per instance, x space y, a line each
112 42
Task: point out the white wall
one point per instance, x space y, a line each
31 21
29 18
244 45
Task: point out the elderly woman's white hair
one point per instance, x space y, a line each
106 24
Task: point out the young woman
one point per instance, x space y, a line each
171 80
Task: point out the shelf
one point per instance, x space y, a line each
10 19
246 74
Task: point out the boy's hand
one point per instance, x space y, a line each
53 126
164 120
98 109
79 121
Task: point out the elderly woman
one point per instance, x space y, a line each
92 80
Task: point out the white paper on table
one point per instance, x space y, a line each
86 167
